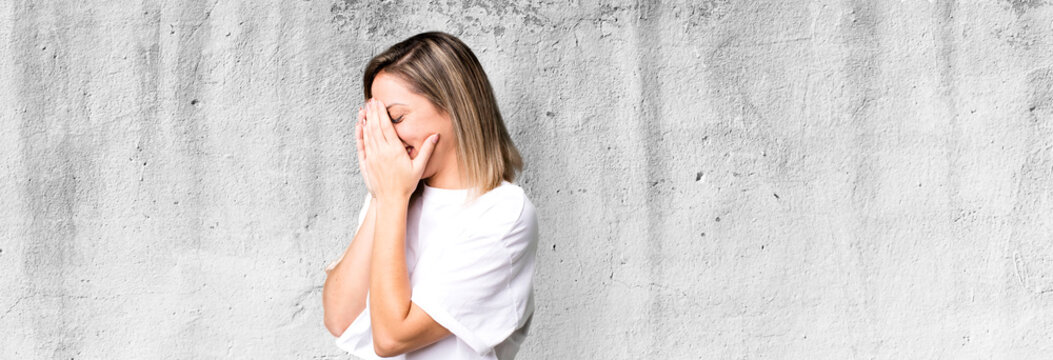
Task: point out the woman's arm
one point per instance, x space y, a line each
399 326
344 294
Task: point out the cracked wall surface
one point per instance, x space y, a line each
713 179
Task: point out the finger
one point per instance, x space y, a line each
369 140
363 128
372 138
373 115
359 124
385 122
362 116
359 143
425 153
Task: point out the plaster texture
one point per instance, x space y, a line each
714 179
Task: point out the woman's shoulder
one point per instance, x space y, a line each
507 191
510 195
506 205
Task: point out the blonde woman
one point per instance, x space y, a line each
442 264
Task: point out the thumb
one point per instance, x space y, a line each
425 153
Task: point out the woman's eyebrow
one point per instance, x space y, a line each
395 104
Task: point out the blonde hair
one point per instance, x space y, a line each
441 68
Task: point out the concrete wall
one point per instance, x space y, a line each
715 179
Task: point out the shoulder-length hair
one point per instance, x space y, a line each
444 70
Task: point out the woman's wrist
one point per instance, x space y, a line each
398 200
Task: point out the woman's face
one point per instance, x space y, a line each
415 118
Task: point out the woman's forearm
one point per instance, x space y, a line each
389 295
398 325
346 285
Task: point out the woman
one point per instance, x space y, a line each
450 255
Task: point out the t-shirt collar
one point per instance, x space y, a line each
445 195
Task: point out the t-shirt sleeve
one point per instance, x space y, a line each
478 285
362 213
361 219
357 339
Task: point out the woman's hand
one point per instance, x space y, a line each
361 146
393 176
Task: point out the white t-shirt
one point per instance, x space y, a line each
471 268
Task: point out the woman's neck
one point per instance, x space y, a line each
447 177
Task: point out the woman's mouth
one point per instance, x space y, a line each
409 151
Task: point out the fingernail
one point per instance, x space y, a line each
435 139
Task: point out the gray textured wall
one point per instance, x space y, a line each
714 179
